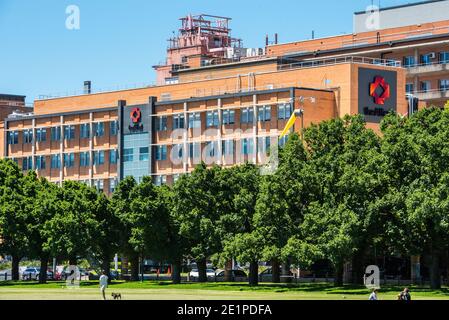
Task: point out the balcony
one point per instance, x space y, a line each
425 69
439 94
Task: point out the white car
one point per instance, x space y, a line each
210 273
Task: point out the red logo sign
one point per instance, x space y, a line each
135 115
379 98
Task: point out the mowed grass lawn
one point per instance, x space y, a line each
207 291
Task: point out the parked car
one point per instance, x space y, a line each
194 274
237 275
266 275
32 273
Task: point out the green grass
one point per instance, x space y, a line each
153 290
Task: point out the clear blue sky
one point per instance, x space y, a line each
120 40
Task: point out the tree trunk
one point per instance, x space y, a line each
435 274
43 271
202 273
338 279
73 261
357 268
228 271
276 271
176 272
286 272
106 267
253 273
15 268
134 267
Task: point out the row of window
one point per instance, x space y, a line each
69 133
426 59
212 150
228 117
69 160
426 86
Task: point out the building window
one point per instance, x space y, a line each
144 154
228 147
212 119
444 85
177 151
161 123
194 120
128 155
247 146
194 150
27 136
264 113
444 57
283 140
69 132
425 86
112 185
113 128
69 160
228 116
176 177
161 153
264 144
247 115
98 158
56 134
212 149
84 159
426 59
160 180
85 131
40 162
99 185
41 135
13 137
409 61
178 121
99 129
284 111
113 156
27 163
409 88
56 161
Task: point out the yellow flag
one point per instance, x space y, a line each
290 124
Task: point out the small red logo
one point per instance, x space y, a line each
135 115
379 82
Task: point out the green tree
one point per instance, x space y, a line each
41 203
281 202
70 232
196 208
106 241
121 206
346 163
14 233
417 152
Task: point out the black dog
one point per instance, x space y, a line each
116 296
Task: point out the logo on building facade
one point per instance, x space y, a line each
380 84
136 120
377 94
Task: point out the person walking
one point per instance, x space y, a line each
373 295
405 295
103 284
